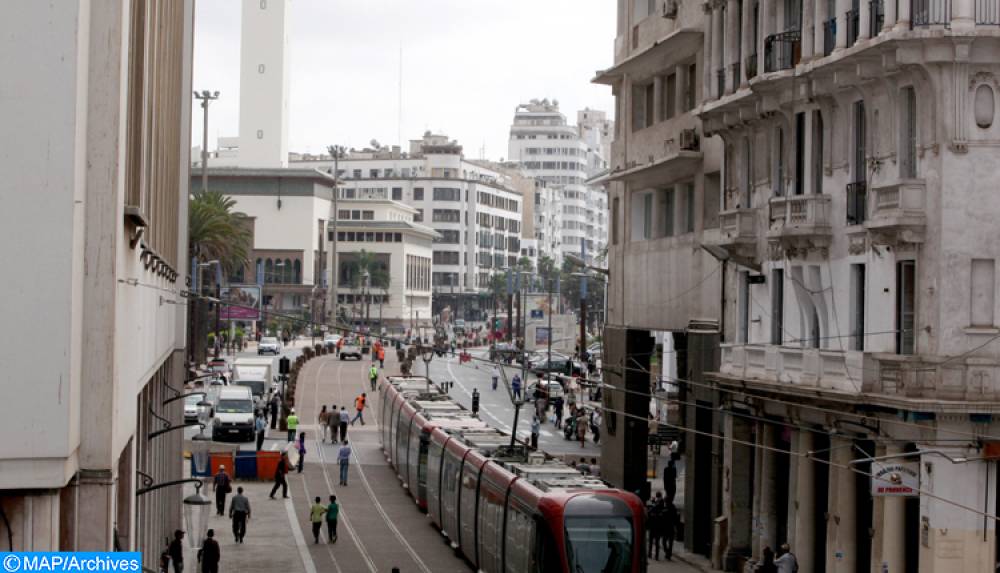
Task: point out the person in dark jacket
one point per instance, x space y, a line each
670 481
273 406
671 520
655 521
767 563
176 551
209 555
221 485
279 477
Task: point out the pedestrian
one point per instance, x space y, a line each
344 419
332 422
292 424
239 512
209 555
675 450
322 420
595 470
515 386
359 405
332 511
671 519
300 446
670 481
596 419
373 376
540 407
221 485
274 410
496 377
316 514
344 458
340 344
535 429
583 467
581 427
655 525
767 562
260 428
786 561
176 551
279 477
381 356
557 406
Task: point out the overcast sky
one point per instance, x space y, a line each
466 66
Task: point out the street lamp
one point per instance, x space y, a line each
427 354
196 510
204 413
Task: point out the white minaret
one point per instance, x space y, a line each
264 84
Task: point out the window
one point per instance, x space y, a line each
669 211
906 299
908 134
356 174
373 173
397 193
746 185
418 193
642 106
779 163
419 216
689 207
647 216
858 307
777 305
743 336
343 214
368 215
446 258
615 208
446 216
859 141
690 85
800 153
670 96
983 286
711 199
817 152
448 236
447 194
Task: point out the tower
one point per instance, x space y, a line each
264 84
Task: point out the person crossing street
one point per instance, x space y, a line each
515 386
373 376
496 377
359 405
292 423
260 427
345 418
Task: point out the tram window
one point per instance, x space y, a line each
468 498
433 476
490 525
520 541
422 464
599 543
402 435
413 456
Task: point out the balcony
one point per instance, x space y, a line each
829 36
932 378
800 217
808 368
898 212
782 51
857 203
930 13
738 227
877 10
853 26
751 64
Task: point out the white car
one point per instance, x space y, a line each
191 407
269 344
331 340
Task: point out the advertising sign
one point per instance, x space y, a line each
541 336
240 302
895 479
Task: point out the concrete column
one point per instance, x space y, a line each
890 521
802 508
706 57
657 99
768 491
842 7
718 45
841 556
732 44
758 467
738 491
746 38
963 15
809 30
903 17
864 20
890 15
820 15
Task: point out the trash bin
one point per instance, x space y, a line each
267 464
220 458
246 465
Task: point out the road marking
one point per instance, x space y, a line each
300 540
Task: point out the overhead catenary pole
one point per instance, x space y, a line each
337 151
583 304
206 98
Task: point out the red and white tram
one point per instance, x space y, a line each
506 510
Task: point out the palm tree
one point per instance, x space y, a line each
216 231
366 263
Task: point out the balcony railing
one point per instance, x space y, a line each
801 211
738 225
988 12
751 63
877 10
853 26
857 202
930 12
720 78
788 366
734 72
829 36
782 50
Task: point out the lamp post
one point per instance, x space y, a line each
427 354
206 98
196 510
364 296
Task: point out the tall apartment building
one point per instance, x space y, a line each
570 212
664 184
472 207
95 161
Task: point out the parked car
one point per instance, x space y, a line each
191 407
558 365
554 388
269 345
540 356
350 348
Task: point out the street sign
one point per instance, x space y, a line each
323 328
240 302
895 479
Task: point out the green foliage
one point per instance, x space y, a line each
217 232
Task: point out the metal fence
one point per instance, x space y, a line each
782 50
988 12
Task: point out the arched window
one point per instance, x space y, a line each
269 271
287 274
258 270
297 279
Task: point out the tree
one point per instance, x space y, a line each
217 232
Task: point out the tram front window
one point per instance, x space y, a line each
599 544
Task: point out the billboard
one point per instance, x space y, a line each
240 302
895 479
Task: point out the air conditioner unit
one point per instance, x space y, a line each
670 9
689 140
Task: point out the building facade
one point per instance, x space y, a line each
96 166
859 150
565 157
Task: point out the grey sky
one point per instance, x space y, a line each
466 66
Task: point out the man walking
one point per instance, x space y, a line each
332 511
344 419
670 520
344 458
209 555
381 356
670 481
373 376
273 405
292 423
515 386
535 429
786 561
359 405
221 485
655 525
260 427
279 477
239 512
496 377
316 513
176 551
322 420
300 446
581 428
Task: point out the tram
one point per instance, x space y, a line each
507 510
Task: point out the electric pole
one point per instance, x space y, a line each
206 98
337 152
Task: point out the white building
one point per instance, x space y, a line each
264 81
398 291
570 212
472 207
95 165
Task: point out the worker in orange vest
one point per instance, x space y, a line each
381 356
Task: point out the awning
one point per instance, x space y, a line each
675 167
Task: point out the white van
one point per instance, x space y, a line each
233 415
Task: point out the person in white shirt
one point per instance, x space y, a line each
786 562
